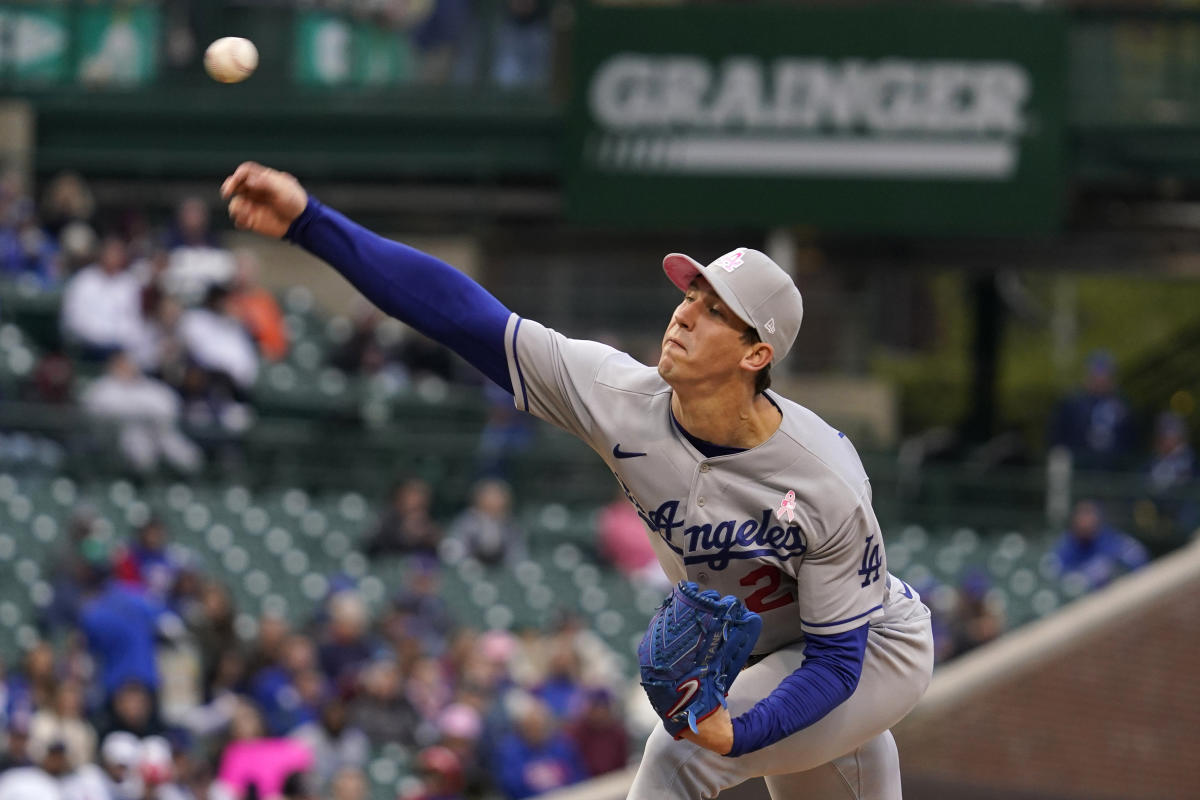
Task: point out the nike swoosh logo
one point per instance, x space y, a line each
686 690
619 453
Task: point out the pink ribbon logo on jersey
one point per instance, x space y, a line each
787 506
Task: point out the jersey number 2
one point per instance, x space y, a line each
761 600
871 563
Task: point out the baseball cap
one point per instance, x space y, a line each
754 287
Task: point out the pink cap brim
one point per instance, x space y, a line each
681 269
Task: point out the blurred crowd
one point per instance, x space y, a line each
163 332
172 326
149 684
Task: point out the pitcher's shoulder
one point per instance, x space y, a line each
825 443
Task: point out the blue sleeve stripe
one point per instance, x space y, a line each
517 361
840 622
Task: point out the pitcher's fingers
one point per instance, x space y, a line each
238 210
235 181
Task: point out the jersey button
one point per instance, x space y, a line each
705 467
699 501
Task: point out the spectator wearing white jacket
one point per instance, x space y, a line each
146 413
102 304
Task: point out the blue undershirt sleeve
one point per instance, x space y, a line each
414 287
830 672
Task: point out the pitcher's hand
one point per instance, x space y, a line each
262 199
716 733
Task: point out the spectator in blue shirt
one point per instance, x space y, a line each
1095 550
1095 423
536 757
120 623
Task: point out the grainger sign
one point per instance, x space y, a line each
888 120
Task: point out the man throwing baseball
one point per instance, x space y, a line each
743 492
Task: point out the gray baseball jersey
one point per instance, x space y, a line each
787 527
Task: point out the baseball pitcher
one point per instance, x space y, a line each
759 511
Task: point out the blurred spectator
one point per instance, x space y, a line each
622 539
146 563
15 752
132 709
346 646
277 688
535 757
116 775
442 39
461 730
37 686
158 349
273 630
222 690
156 766
487 530
370 347
523 39
67 568
147 415
349 783
334 740
380 710
26 250
1095 423
41 781
599 735
420 608
15 201
299 786
406 526
428 688
251 758
216 342
975 620
102 305
212 627
53 380
1174 462
120 623
1171 473
440 774
66 200
77 248
1094 550
559 687
64 722
505 436
195 261
257 308
597 662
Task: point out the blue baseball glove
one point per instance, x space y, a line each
696 645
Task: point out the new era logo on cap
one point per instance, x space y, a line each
754 287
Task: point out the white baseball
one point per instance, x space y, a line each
231 59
